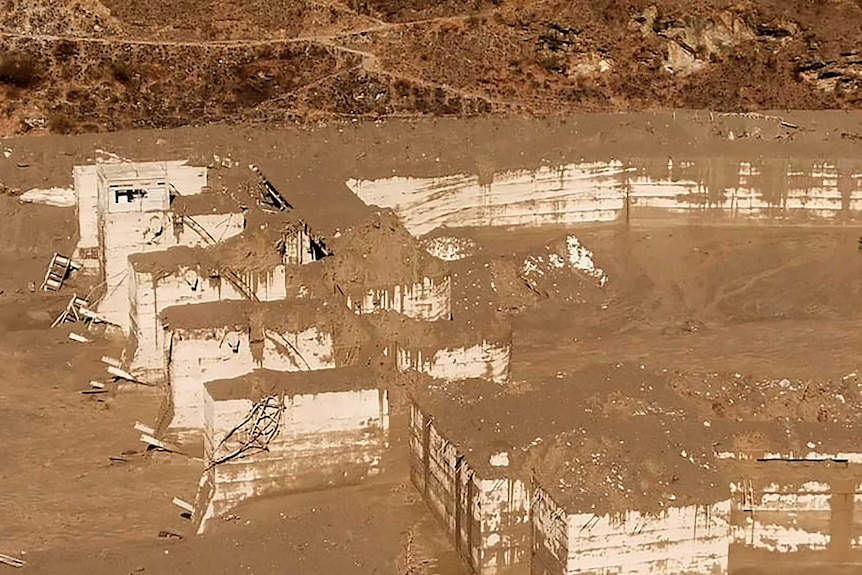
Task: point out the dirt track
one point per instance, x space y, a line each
115 64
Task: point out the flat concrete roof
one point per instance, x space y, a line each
297 314
616 437
212 202
263 382
379 252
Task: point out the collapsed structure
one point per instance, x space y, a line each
270 341
615 470
268 433
254 331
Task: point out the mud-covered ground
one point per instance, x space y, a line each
91 65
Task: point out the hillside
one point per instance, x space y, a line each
90 65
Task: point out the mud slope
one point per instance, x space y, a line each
93 65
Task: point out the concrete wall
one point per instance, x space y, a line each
151 294
324 440
308 350
199 356
485 360
87 202
487 519
111 229
575 193
679 540
202 355
792 517
429 299
124 234
89 190
717 189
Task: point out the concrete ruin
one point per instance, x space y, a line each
382 269
127 208
705 190
273 432
263 339
228 339
183 276
559 489
476 346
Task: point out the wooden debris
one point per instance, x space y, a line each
789 125
79 338
152 441
143 428
183 505
93 316
122 374
58 271
165 534
97 385
11 561
73 311
94 391
111 361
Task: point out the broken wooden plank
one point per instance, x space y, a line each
93 316
111 361
143 428
183 505
150 440
122 374
11 561
79 338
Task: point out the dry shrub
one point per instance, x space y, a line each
60 123
19 70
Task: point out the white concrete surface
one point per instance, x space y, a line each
429 299
783 517
486 518
323 440
123 208
679 540
199 356
485 360
574 193
601 192
308 350
150 295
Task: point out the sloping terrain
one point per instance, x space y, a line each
90 65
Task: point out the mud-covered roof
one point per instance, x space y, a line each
379 252
263 382
254 250
208 202
619 437
284 316
417 335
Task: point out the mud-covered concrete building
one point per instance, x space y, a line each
270 432
616 470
